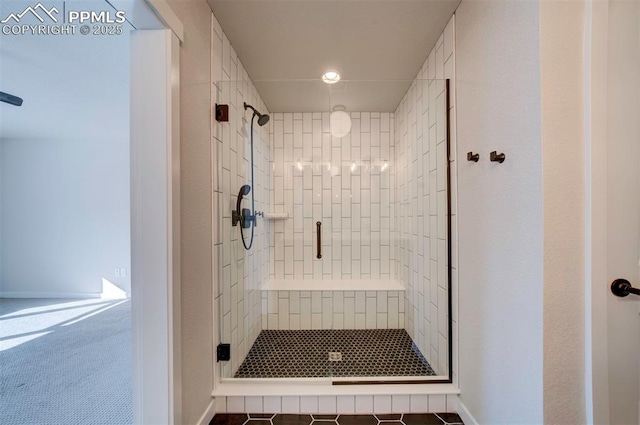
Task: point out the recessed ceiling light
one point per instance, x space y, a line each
331 77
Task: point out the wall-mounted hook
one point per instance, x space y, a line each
497 157
475 157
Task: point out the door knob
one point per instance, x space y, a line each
622 288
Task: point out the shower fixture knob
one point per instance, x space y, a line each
473 157
497 157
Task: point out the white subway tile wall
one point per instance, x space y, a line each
300 310
346 183
422 198
344 404
238 273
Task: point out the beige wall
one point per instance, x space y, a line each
500 216
196 245
563 147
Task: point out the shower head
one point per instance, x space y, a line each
262 118
245 189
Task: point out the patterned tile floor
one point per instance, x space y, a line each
365 352
391 419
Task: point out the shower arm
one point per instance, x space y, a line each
247 106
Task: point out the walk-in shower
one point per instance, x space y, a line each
349 275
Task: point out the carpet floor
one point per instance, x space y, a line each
65 362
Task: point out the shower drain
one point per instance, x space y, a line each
335 356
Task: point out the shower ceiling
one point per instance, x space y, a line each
361 39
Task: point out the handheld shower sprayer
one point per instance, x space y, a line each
240 215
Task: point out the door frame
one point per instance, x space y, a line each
600 51
595 114
155 214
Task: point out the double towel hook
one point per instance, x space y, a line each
493 157
497 157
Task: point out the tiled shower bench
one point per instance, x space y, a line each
293 304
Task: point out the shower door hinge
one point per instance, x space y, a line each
222 113
223 353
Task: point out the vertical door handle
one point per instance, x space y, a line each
319 239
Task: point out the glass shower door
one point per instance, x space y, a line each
390 225
348 278
299 147
241 165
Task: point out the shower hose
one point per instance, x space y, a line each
252 218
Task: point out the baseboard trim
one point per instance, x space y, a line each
57 295
464 413
208 414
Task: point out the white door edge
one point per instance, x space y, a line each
596 356
155 224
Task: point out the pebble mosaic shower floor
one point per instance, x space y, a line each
306 353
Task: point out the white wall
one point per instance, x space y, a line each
237 272
65 165
65 214
421 201
500 211
342 182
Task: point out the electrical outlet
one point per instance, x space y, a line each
117 272
123 272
